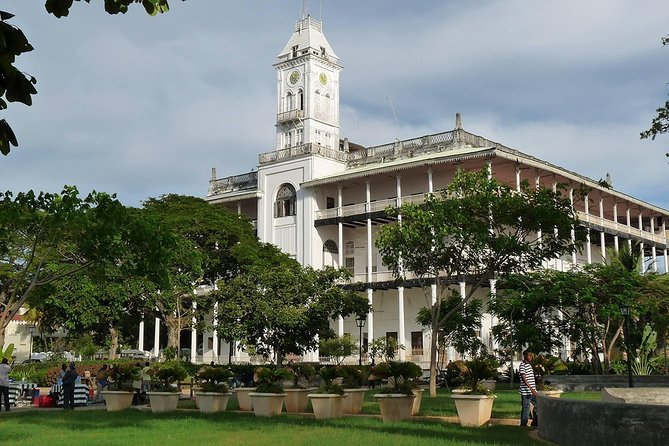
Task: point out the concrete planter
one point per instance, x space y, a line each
353 404
395 406
243 398
212 402
473 410
550 393
489 384
327 405
415 408
163 401
117 400
267 404
297 400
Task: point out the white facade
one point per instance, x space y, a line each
342 189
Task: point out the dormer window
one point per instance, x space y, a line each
295 50
322 51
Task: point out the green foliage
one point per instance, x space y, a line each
338 348
549 365
28 374
215 378
271 380
122 375
478 369
353 376
167 374
328 376
402 376
385 348
660 123
170 353
7 353
301 372
643 364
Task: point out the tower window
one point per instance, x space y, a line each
322 51
295 50
286 201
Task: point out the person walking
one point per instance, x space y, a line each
5 370
101 381
527 390
69 381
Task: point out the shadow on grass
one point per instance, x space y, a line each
90 420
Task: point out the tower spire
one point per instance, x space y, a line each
305 9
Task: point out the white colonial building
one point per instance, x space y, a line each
321 198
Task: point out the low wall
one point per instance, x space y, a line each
595 383
575 422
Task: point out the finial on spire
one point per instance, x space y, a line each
305 9
458 121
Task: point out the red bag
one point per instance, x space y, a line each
46 401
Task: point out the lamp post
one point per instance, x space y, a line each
625 312
360 322
31 329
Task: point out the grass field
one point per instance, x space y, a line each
190 428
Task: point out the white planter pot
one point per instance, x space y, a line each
297 400
163 401
395 406
327 405
353 404
489 384
550 393
212 402
117 400
267 404
473 410
243 398
415 408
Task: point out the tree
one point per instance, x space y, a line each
660 123
17 86
47 237
285 307
476 229
212 244
338 348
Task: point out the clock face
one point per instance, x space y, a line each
294 77
323 78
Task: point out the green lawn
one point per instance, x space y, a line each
190 428
95 427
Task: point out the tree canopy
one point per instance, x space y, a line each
660 123
17 86
476 229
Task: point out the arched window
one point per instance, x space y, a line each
330 253
286 201
300 99
289 101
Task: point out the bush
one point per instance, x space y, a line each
214 378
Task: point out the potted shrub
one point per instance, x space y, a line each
326 401
214 395
475 405
120 391
352 381
164 395
548 365
296 394
267 400
397 397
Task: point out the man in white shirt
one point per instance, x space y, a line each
528 389
5 370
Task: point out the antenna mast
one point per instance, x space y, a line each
395 116
305 8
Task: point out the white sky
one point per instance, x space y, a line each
143 106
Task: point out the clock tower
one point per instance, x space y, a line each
307 89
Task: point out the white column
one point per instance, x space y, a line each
493 320
537 185
140 343
641 245
463 289
214 336
652 248
401 334
602 236
666 261
193 336
370 292
628 214
616 244
156 338
239 208
588 248
573 230
433 292
518 181
340 242
430 183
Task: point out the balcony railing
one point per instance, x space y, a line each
363 208
290 115
233 183
301 150
620 227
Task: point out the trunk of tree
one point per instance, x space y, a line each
433 357
596 363
2 337
113 332
173 324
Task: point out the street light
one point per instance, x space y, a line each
31 329
625 312
360 322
